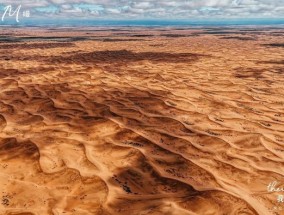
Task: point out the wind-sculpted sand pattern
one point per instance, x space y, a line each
115 123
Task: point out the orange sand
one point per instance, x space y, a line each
134 121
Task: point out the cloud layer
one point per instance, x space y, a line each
145 9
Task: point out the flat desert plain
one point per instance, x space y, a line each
141 121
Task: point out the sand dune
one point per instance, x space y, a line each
116 121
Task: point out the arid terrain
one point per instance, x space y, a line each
141 121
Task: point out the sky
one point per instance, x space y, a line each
151 9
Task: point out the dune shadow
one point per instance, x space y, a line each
125 56
35 45
277 45
238 38
13 39
249 73
280 62
24 71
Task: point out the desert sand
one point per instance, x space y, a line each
141 121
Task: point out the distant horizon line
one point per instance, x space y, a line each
144 22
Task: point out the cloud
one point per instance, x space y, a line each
164 9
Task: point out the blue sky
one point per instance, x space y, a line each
152 9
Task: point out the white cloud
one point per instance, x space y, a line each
156 8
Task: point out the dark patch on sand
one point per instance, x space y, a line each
121 40
12 148
35 45
157 45
9 39
220 32
272 62
18 72
177 35
125 56
239 38
281 45
142 35
278 70
249 73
